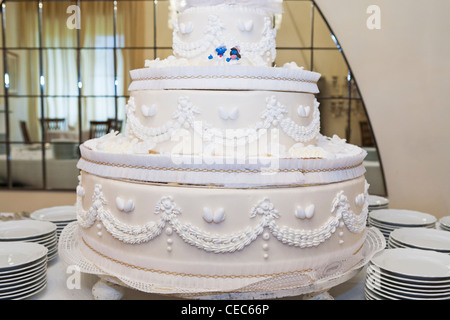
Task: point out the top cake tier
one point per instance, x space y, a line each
226 32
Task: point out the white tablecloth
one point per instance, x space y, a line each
26 168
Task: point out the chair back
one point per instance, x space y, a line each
98 129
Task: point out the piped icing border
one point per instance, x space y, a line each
225 78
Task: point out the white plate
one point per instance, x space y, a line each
378 208
445 221
409 281
55 214
49 243
417 293
379 295
402 217
23 274
380 226
377 201
22 283
29 293
368 295
396 295
414 263
21 294
432 239
14 255
24 286
23 269
390 227
375 275
392 244
25 229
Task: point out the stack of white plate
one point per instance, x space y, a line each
378 202
420 238
408 274
444 223
387 220
61 216
23 269
41 232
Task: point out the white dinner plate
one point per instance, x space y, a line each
24 273
25 229
432 239
55 214
22 283
396 295
414 263
393 244
29 291
397 217
379 295
22 269
48 243
368 295
46 237
375 275
445 222
377 201
438 284
408 292
381 226
15 255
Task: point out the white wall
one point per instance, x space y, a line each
403 72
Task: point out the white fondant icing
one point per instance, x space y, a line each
236 241
148 111
186 28
359 200
245 26
175 73
125 206
80 191
304 111
274 115
229 115
213 216
215 30
306 213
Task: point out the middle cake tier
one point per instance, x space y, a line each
222 123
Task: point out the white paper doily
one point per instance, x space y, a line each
316 281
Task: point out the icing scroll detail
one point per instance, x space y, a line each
265 211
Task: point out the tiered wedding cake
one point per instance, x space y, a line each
222 179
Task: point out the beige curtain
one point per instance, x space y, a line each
21 19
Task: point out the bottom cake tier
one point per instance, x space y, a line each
220 239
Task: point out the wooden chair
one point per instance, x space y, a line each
54 123
25 133
366 134
98 129
115 125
